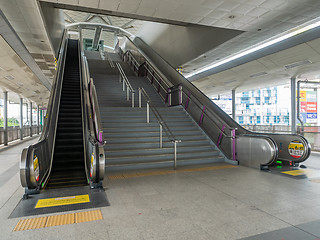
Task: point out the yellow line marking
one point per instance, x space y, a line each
88 216
144 174
60 201
58 220
297 172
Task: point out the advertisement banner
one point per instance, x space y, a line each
311 107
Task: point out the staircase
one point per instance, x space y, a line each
132 143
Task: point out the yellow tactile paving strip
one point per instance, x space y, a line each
297 172
57 220
88 216
144 174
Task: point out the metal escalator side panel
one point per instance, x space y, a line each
256 150
292 147
43 150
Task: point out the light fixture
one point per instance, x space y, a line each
297 64
9 77
291 33
259 74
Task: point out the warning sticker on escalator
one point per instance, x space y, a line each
36 168
91 166
296 149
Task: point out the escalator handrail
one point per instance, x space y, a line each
92 127
47 139
196 101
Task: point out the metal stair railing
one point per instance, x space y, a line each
162 124
126 83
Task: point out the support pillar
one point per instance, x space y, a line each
293 106
38 120
21 118
234 104
30 119
5 118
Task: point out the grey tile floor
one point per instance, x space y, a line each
219 204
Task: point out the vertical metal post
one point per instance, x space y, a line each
160 135
234 104
139 97
293 106
148 117
21 118
123 86
5 118
30 119
38 119
115 39
175 154
128 96
132 94
120 81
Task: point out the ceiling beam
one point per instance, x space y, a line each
110 21
128 23
96 38
69 18
8 33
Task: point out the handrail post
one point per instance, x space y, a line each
139 97
148 117
123 86
120 78
132 99
128 97
175 154
160 135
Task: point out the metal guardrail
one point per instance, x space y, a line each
14 132
110 60
126 83
162 124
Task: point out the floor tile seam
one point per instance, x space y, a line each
235 198
259 209
10 197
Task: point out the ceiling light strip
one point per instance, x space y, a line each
256 48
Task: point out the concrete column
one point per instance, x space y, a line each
5 118
293 106
30 119
38 119
115 39
21 118
234 104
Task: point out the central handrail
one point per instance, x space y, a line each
125 82
158 116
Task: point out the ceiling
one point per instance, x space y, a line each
259 20
17 79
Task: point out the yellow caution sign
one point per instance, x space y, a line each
60 201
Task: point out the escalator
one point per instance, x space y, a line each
240 146
68 168
69 152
